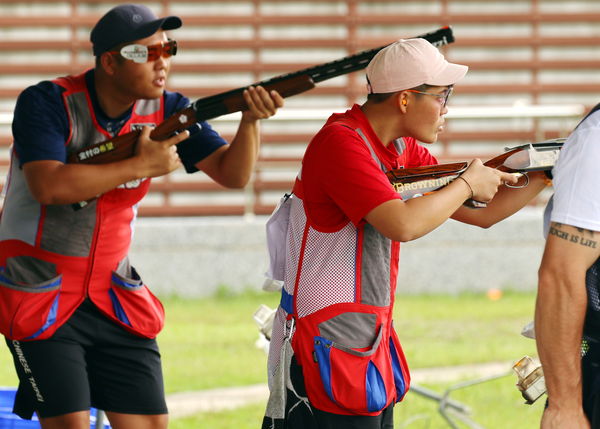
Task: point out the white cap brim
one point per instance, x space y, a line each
451 74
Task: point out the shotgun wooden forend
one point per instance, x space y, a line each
285 88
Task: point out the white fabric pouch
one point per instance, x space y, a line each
277 229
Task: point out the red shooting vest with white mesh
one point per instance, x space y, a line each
52 257
339 289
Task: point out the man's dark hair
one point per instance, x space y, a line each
118 58
381 97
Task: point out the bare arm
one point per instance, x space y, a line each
559 317
407 220
53 182
505 203
232 165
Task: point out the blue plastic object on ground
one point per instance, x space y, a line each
8 420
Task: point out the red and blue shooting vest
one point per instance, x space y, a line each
52 256
339 290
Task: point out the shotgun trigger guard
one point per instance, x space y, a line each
524 185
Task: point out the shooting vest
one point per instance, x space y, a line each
338 294
52 256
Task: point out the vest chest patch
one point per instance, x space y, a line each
139 126
93 151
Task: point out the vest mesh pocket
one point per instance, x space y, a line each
135 306
28 310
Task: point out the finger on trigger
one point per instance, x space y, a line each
146 130
180 137
510 177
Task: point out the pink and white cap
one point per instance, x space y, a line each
408 63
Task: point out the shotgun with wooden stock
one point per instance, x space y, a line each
123 146
418 181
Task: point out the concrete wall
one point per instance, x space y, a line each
196 256
458 257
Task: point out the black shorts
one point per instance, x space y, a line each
89 361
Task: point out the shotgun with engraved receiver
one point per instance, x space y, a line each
294 83
418 181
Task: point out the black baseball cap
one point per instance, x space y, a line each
126 23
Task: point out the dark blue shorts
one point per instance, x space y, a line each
89 362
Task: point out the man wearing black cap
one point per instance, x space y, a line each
78 319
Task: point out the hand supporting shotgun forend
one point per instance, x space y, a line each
415 182
286 85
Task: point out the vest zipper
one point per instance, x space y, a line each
93 246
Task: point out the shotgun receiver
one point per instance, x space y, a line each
418 181
123 146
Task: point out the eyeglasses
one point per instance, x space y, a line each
142 53
442 97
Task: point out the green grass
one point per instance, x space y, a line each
494 404
209 343
463 329
248 417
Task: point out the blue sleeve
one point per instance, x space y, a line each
203 140
40 125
